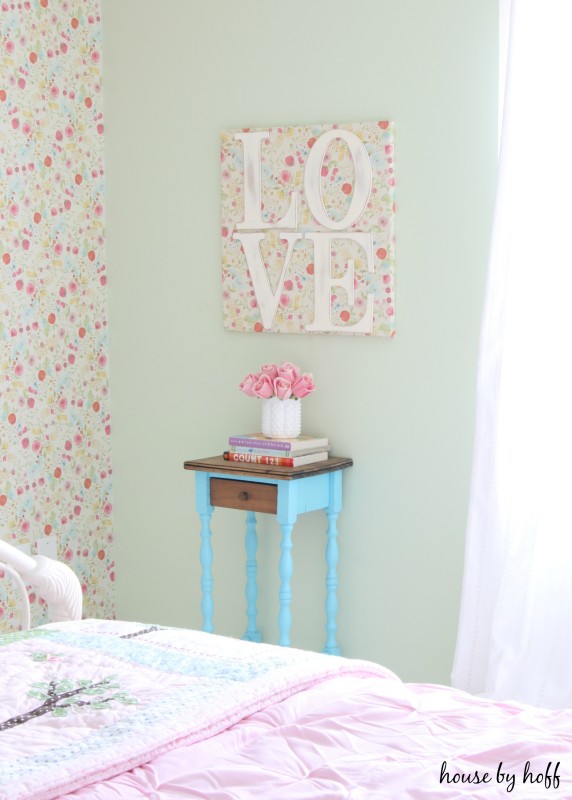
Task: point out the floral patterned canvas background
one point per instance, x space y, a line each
283 161
55 462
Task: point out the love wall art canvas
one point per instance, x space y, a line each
308 229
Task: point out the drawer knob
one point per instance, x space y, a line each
243 496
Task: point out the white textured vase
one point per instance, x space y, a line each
281 419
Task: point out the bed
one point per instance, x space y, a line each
105 709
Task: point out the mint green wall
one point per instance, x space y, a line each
176 73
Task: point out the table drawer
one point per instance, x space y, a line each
244 494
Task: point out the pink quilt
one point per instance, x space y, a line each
366 739
269 723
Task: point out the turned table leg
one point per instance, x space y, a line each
251 543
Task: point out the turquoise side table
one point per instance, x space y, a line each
286 493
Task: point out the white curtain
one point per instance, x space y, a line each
515 627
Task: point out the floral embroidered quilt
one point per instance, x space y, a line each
84 701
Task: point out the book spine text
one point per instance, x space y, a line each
252 458
259 451
265 444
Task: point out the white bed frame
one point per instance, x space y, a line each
52 580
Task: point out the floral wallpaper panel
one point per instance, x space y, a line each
55 463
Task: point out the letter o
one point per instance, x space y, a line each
362 183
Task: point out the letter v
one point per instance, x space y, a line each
267 299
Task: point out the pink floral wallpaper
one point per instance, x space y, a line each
55 456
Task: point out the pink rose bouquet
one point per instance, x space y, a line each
286 382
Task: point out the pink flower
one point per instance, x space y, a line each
282 388
269 369
284 382
289 371
247 384
304 385
263 387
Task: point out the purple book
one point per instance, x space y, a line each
289 445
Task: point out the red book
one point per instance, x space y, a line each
275 461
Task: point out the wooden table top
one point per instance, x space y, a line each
238 468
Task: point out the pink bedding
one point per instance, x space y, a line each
281 724
363 739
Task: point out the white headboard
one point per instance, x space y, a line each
54 581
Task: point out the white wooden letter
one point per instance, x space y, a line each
251 144
363 175
323 283
267 299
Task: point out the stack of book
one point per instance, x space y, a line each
255 448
